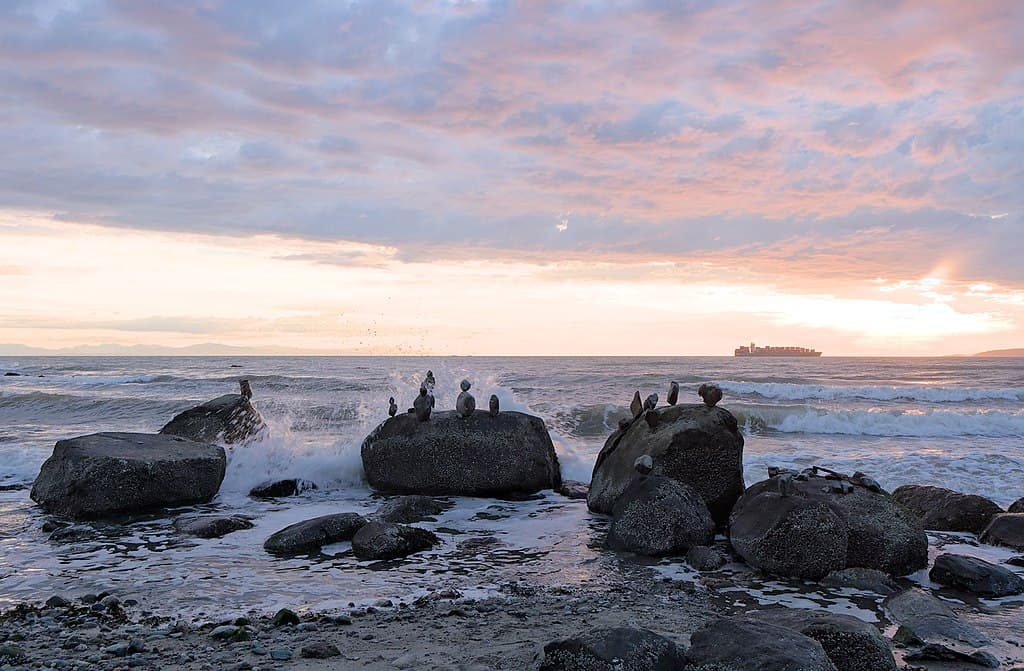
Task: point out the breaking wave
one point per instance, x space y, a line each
924 393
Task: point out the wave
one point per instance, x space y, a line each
880 422
925 393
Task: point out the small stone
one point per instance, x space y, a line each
118 649
285 617
224 631
110 601
57 602
319 650
281 654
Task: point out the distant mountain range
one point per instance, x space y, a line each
1019 351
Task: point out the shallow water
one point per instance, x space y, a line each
952 422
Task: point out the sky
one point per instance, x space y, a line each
646 177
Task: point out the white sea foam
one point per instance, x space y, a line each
925 393
881 421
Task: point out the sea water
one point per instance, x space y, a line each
953 422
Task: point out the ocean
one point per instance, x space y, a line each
953 422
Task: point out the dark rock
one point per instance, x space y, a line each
975 575
704 558
57 602
867 579
696 445
281 654
659 516
230 419
931 627
12 374
572 489
53 525
1006 529
1016 561
311 535
109 473
789 536
940 653
278 488
211 526
852 644
748 644
382 540
319 650
875 531
73 534
613 649
10 653
940 509
1017 506
477 455
285 617
407 509
13 488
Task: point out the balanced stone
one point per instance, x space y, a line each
941 509
478 455
423 405
465 404
244 388
694 444
636 406
492 406
109 473
651 403
711 393
673 393
227 419
392 407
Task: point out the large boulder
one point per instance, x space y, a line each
384 540
613 649
748 644
697 445
975 575
311 535
876 532
851 643
790 536
227 419
659 516
933 631
111 473
1006 529
941 509
479 455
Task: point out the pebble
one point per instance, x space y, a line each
57 602
319 650
281 654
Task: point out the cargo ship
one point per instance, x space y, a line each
754 350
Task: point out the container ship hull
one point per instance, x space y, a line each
755 351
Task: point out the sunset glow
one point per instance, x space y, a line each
513 178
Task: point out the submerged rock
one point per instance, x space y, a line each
280 488
229 419
748 644
383 540
311 535
940 509
867 579
211 526
613 649
571 489
110 473
975 575
794 535
478 455
705 558
658 516
407 509
1006 529
696 445
852 644
933 630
